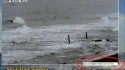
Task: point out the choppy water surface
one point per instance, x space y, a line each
48 44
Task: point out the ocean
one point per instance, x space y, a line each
33 43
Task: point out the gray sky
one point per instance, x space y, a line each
60 8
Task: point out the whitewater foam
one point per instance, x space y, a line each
19 20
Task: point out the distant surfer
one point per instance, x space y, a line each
11 21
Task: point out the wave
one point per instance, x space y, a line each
25 33
19 20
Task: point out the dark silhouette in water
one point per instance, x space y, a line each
108 40
86 35
69 39
97 40
11 21
55 16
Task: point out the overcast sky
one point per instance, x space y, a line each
67 8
